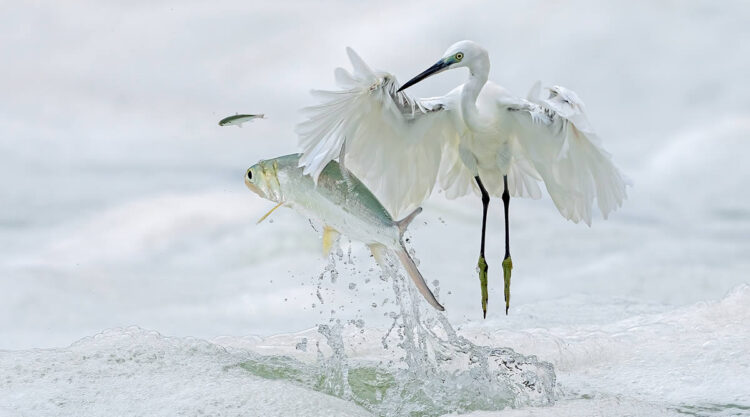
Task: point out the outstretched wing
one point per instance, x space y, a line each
556 137
392 142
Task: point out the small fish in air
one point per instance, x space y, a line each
239 119
343 204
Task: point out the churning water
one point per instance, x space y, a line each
429 370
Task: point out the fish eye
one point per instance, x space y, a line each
460 56
249 174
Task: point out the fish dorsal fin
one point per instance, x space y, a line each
329 238
404 223
344 171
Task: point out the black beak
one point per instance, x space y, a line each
438 67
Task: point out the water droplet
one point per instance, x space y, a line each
334 276
302 345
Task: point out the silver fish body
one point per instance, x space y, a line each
239 119
342 203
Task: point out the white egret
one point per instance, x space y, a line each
478 136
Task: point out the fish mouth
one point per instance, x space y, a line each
254 188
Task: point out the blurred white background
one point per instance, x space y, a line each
122 200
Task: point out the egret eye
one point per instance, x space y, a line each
249 174
460 56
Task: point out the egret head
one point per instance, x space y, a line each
460 54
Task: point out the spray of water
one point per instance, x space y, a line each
434 370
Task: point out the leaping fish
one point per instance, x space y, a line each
239 119
343 204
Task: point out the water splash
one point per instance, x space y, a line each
432 370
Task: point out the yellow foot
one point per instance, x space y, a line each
482 265
507 267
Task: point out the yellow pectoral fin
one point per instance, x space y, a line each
378 252
269 212
329 237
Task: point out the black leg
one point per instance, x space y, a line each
482 264
507 262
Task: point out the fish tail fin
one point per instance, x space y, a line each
404 223
411 269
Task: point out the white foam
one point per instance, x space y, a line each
690 360
135 372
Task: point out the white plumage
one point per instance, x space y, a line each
477 137
399 146
393 142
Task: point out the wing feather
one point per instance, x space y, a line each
392 142
557 138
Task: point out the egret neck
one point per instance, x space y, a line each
479 70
